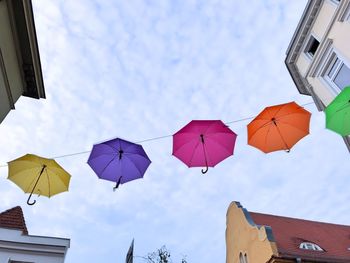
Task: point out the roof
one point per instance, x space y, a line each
23 27
13 218
290 232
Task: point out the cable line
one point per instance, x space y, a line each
154 138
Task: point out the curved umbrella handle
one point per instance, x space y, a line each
205 170
37 180
29 199
117 184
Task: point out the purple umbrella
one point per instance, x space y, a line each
118 161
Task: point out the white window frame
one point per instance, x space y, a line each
308 45
332 57
310 246
243 258
335 2
347 14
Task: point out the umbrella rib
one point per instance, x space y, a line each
107 165
277 119
295 127
35 178
279 110
267 133
135 166
209 126
265 124
90 159
222 146
345 106
48 182
288 148
139 155
104 143
205 155
193 153
305 112
344 119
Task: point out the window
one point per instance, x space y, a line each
312 46
310 246
16 261
243 259
337 72
347 16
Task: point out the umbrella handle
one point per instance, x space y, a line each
31 193
117 184
205 170
29 199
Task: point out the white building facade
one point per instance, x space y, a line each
17 246
318 57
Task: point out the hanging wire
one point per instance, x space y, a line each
154 138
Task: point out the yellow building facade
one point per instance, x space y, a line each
261 238
245 239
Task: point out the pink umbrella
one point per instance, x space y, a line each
203 143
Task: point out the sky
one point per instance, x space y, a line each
143 69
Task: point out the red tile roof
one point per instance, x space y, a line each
13 218
290 232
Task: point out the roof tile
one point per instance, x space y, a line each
13 218
290 232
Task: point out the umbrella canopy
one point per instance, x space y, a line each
38 175
203 143
338 113
279 127
118 161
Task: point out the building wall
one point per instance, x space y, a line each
32 249
303 63
20 67
323 19
318 30
8 49
245 237
10 73
339 34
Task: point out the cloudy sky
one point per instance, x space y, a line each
143 69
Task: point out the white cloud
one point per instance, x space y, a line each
139 70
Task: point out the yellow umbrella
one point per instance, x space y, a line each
38 175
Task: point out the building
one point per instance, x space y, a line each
318 56
17 246
20 68
261 238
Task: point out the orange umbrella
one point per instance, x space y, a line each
279 127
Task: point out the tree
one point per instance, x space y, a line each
162 255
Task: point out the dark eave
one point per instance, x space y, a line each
23 28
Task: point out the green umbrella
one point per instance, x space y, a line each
338 113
